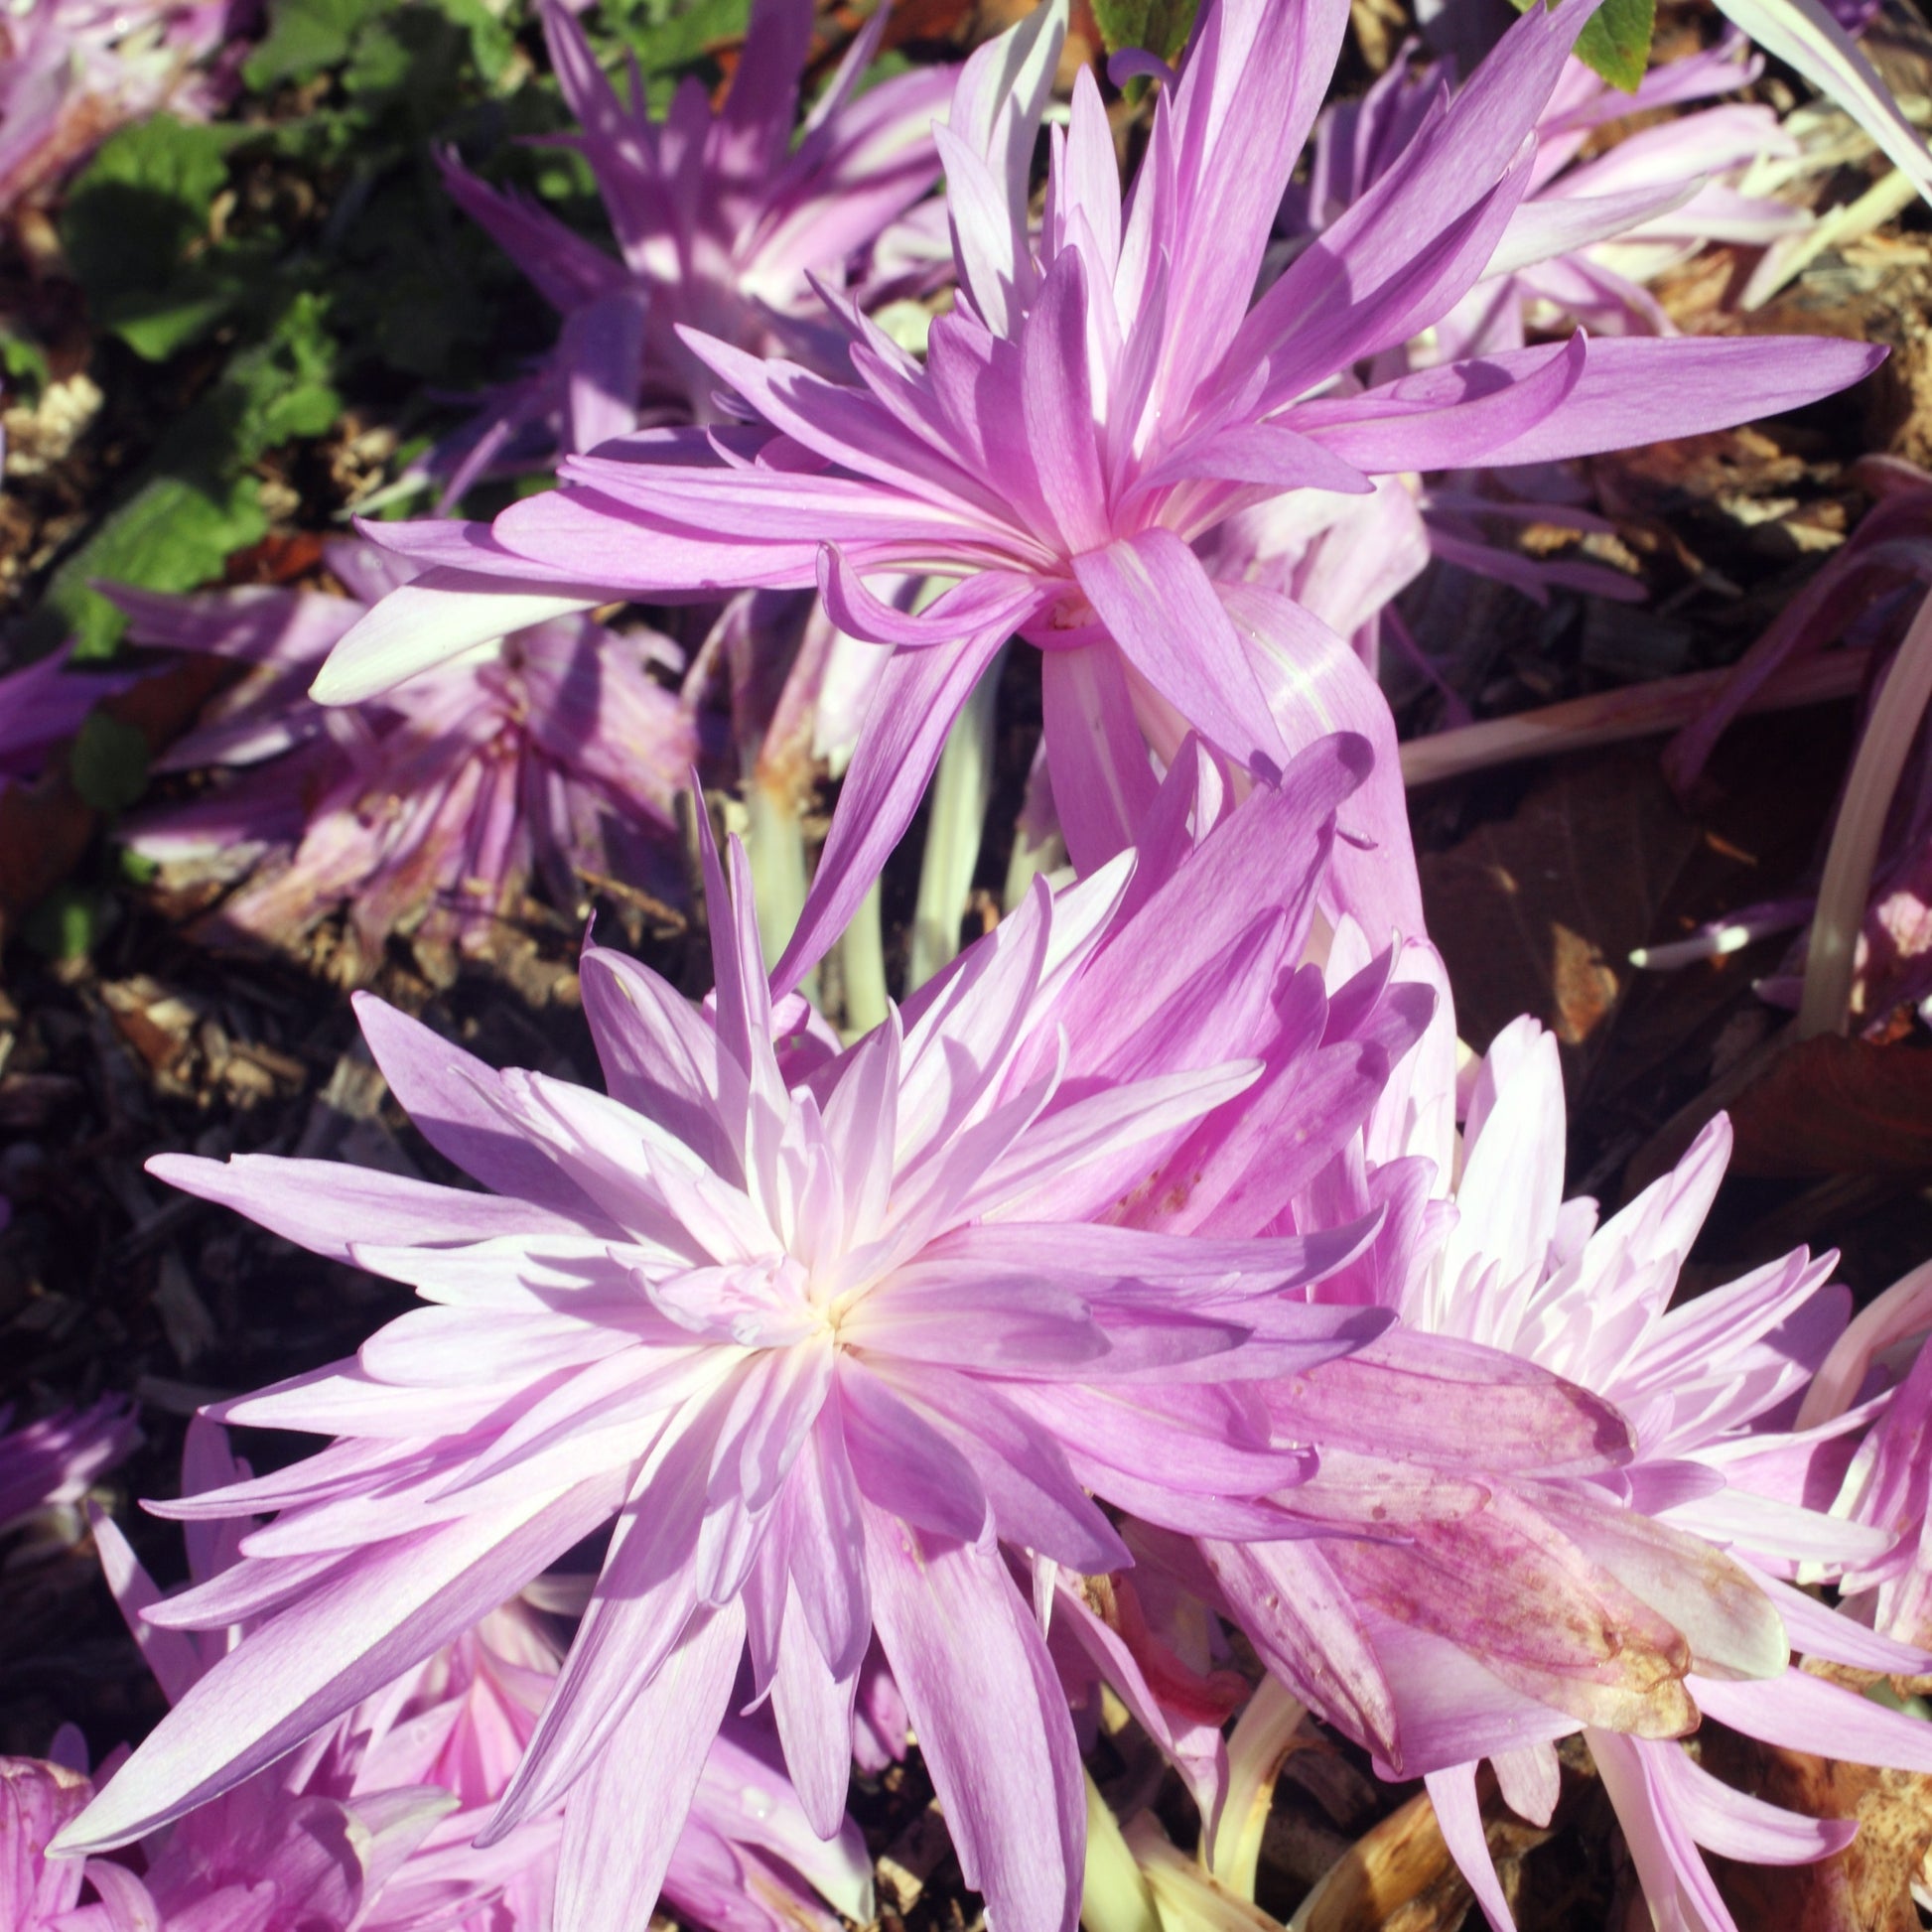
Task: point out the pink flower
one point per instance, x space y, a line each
1095 404
822 1331
54 1462
371 1825
721 222
72 72
1712 1388
39 704
36 1798
1587 236
554 754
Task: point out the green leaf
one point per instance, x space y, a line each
172 534
158 322
68 923
1616 41
1161 27
305 36
108 762
25 366
689 36
283 386
130 221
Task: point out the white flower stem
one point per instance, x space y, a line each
962 788
1257 1750
774 844
1188 1899
862 961
1029 861
1897 711
1113 1895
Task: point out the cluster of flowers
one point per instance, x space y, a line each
1155 1270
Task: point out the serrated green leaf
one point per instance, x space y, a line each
305 36
172 534
108 762
1161 27
1616 41
688 36
130 220
283 386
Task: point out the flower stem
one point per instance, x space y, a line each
962 788
1113 1895
861 960
1896 712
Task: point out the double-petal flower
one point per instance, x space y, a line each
1101 396
835 1338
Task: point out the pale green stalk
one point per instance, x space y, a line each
862 961
1029 861
1188 1899
962 788
1831 954
1259 1748
774 845
1114 1897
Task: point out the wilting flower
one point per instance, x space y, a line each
391 1795
36 1798
822 1331
1587 236
1711 1388
1096 404
71 71
721 221
54 1462
555 753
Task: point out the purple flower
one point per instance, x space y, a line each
1093 406
72 72
1587 236
54 1462
36 1798
39 704
555 753
828 1334
1712 1389
721 221
370 1825
1880 1361
1868 947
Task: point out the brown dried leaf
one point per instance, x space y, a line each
1399 1877
1835 1105
1536 914
1867 1886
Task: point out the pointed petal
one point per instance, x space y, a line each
624 1819
991 1719
919 694
1154 596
